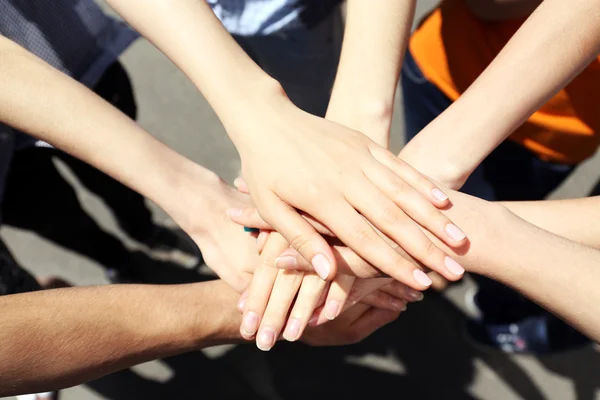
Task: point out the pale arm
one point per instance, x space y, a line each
59 338
375 40
560 275
574 219
290 159
37 99
558 40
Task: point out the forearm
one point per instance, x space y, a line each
560 275
574 219
59 338
557 41
43 102
374 45
190 34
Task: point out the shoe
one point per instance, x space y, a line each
540 334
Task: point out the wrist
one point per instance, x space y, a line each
371 117
264 100
441 168
193 316
219 321
488 226
186 187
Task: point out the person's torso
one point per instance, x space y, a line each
266 17
70 35
453 46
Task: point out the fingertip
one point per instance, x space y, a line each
439 197
234 213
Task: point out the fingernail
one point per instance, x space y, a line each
265 339
313 321
235 212
238 182
251 230
250 323
398 304
332 309
453 266
321 265
241 304
292 330
421 277
286 262
414 295
438 194
455 233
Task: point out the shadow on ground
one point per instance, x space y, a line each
421 356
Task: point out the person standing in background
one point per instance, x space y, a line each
447 53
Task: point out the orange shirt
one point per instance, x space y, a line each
453 47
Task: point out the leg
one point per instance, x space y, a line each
304 61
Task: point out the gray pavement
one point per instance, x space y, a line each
422 355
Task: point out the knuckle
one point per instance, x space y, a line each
391 215
400 264
399 187
361 235
300 242
430 250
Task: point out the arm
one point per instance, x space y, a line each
59 338
374 44
292 161
557 41
574 219
39 100
561 275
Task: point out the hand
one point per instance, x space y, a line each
273 295
338 175
348 261
226 248
351 327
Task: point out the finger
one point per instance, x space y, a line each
394 223
355 232
248 217
336 301
261 286
301 236
337 296
380 299
414 178
282 296
417 207
241 305
348 262
361 289
401 291
309 297
240 185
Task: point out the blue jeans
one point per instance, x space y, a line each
303 60
510 172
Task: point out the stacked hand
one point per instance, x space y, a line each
300 297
